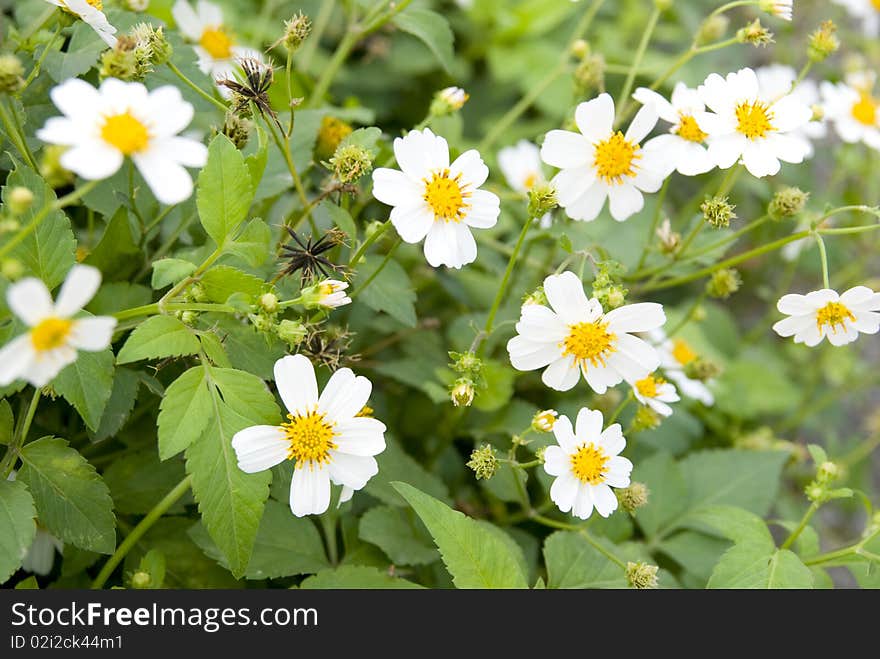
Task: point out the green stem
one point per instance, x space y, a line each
624 98
328 526
284 147
198 90
552 523
688 316
658 211
138 532
801 525
375 273
39 63
175 291
320 25
155 308
823 255
359 254
843 552
12 126
688 55
38 24
617 412
18 439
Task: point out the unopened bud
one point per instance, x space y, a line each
590 73
718 212
712 29
755 34
8 225
155 46
448 101
537 296
641 575
483 462
198 292
670 240
269 302
189 317
12 269
646 419
787 202
633 497
827 472
823 42
702 369
237 129
137 5
723 283
141 580
19 200
296 31
544 421
350 162
292 332
580 49
779 8
123 61
11 74
610 297
462 392
466 362
542 199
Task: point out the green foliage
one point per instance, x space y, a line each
87 385
17 526
574 562
431 29
185 412
355 577
158 337
224 190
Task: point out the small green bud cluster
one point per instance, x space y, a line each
483 462
718 212
470 377
607 286
723 283
641 575
787 202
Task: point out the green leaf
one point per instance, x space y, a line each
394 465
432 29
17 527
87 384
285 545
72 500
399 534
329 213
355 577
224 191
734 523
114 254
118 295
253 243
159 337
247 395
138 481
760 565
256 162
473 556
184 412
28 583
222 281
573 562
667 497
47 253
119 405
499 387
390 291
170 271
214 349
6 422
697 553
366 138
754 387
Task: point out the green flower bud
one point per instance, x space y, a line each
702 369
670 240
351 162
19 200
189 317
724 283
467 363
663 5
448 101
462 392
483 462
154 46
544 421
580 49
141 580
12 269
718 212
827 472
755 34
296 31
124 61
823 42
646 419
238 130
712 29
537 296
137 5
198 293
633 497
590 74
542 199
787 202
291 332
9 224
11 74
641 575
268 302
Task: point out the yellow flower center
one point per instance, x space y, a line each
865 110
589 464
51 333
689 129
753 119
530 181
589 342
125 132
366 411
682 352
876 4
310 438
614 158
217 42
832 315
648 387
445 196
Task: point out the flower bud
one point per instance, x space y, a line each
755 34
189 317
787 202
483 462
12 269
330 135
51 169
537 296
448 101
137 5
8 225
11 74
238 130
827 472
544 421
779 8
590 74
123 61
292 332
462 392
153 43
718 212
723 283
641 575
610 297
467 363
646 419
662 5
296 31
329 293
542 199
19 200
268 302
141 580
198 293
633 497
702 369
823 42
670 240
712 29
351 162
580 49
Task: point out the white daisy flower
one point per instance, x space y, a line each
776 80
332 294
521 166
599 162
576 337
685 145
655 392
825 314
102 126
745 125
436 201
212 39
587 464
854 112
54 335
324 434
866 12
779 8
91 12
675 355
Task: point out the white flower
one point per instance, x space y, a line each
684 146
655 392
599 162
212 39
90 11
586 464
825 314
867 12
324 434
454 97
575 337
54 335
854 112
332 293
436 201
779 8
776 80
746 125
521 166
102 126
675 355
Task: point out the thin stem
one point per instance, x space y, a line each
12 126
801 525
359 254
552 523
18 439
328 526
198 90
843 552
823 255
138 532
689 315
637 60
284 147
208 262
375 273
155 308
687 56
617 412
39 63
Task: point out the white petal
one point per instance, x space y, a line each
29 299
15 359
595 118
360 436
75 97
92 159
661 106
345 395
793 304
60 130
565 149
310 490
421 152
759 160
565 435
624 200
46 365
528 355
168 113
538 323
619 470
587 207
600 377
604 499
295 379
583 501
260 447
642 124
471 167
861 298
412 222
352 470
169 181
612 441
588 426
441 246
556 461
571 183
867 322
561 375
793 325
92 334
484 211
564 490
395 188
79 287
641 317
565 293
187 20
184 151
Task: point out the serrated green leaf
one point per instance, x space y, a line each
390 291
119 405
224 192
755 565
473 556
329 213
170 271
355 577
668 492
114 254
253 243
573 562
399 533
256 162
184 412
214 349
72 500
432 29
87 384
118 295
17 527
159 337
394 465
246 394
223 280
734 523
366 138
138 481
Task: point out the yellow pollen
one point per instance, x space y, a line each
530 181
590 464
614 158
865 110
682 352
649 386
832 315
310 437
753 119
50 334
217 42
445 196
589 342
689 130
366 411
125 132
876 4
